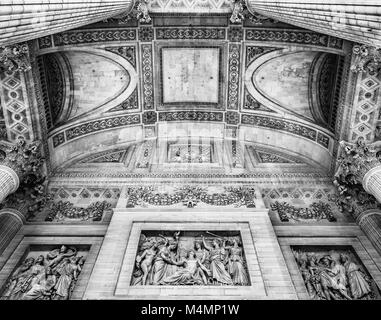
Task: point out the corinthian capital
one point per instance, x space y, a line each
354 162
24 158
366 59
15 58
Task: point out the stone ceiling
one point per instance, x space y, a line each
120 83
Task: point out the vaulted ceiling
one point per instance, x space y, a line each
181 93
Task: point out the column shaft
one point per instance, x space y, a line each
10 224
9 182
372 182
358 21
370 223
22 20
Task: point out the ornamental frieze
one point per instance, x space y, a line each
93 36
315 212
190 196
100 125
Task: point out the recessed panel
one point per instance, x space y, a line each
190 75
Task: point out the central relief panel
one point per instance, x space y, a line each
190 258
190 76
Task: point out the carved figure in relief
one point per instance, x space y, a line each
357 279
235 265
145 261
337 278
49 277
217 260
57 255
68 271
43 289
190 274
163 260
14 286
201 255
35 273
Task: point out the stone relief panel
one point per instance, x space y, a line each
46 273
190 196
76 205
190 258
310 204
334 274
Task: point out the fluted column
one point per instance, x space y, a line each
372 182
10 223
370 223
354 20
9 181
23 20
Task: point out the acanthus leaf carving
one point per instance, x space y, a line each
15 58
366 59
354 161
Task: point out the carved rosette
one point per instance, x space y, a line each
366 59
15 58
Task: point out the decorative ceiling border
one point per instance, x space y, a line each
95 126
294 36
93 36
286 126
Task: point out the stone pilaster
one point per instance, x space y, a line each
357 21
25 20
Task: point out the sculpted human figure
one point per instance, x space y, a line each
357 279
36 272
307 277
15 283
313 268
235 265
42 290
201 256
144 262
173 254
68 272
217 258
189 275
161 262
57 255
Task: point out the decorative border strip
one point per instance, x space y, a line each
191 116
100 125
234 76
190 33
293 36
79 37
147 72
323 140
278 124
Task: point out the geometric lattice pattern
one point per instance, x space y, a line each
15 106
366 107
215 6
